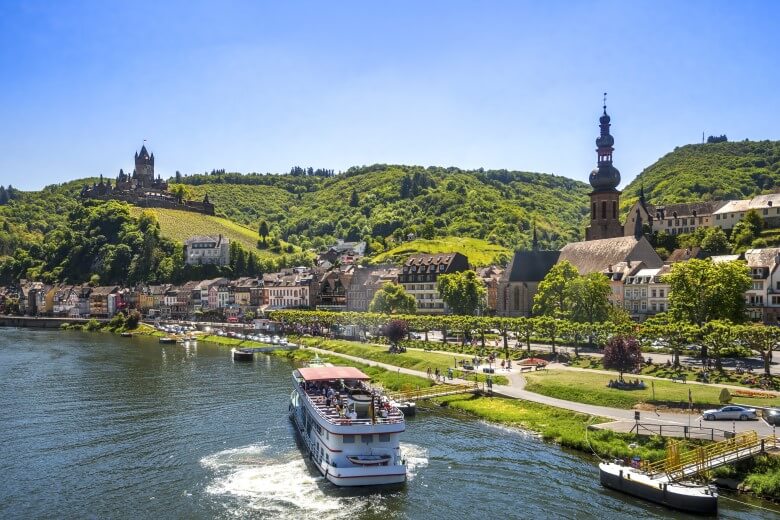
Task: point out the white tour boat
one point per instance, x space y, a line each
350 431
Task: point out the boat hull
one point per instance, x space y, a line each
674 496
240 355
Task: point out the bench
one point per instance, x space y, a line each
524 368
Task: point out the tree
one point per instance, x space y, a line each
525 329
701 291
396 330
554 295
714 241
354 200
761 339
622 354
590 298
392 299
263 231
549 328
463 292
674 332
717 335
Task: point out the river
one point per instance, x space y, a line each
98 426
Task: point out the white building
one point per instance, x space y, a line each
207 249
767 206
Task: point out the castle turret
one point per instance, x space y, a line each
144 168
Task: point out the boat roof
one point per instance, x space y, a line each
331 373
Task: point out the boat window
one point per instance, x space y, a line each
384 437
366 438
349 439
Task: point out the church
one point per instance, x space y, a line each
605 246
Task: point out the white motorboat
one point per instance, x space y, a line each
350 431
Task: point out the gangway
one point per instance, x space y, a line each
433 391
679 465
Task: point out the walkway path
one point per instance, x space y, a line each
516 390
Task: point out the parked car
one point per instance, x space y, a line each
772 416
730 413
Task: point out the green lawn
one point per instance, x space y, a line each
412 359
479 252
727 377
591 388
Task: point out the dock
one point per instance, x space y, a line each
433 391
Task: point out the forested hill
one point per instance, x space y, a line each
384 203
712 171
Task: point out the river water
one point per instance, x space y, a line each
98 426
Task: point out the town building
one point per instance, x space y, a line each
763 297
342 253
207 249
332 288
289 289
419 274
490 276
365 282
767 207
520 281
102 301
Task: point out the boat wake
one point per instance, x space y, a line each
251 480
416 458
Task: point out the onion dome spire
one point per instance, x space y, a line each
605 177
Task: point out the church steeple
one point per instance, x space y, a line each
605 198
605 177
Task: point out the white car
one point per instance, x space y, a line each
730 413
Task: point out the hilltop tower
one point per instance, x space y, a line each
605 198
144 168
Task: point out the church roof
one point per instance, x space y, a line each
594 256
530 266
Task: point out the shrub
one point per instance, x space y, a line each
133 319
92 325
725 396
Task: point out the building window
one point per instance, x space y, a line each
652 293
604 209
766 211
516 299
349 439
614 209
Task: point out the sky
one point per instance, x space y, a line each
254 86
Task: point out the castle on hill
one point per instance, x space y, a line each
141 188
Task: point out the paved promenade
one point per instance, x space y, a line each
516 389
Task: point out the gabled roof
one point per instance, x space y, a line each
685 253
762 257
530 266
593 256
685 209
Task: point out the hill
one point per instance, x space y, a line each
713 171
179 225
479 252
383 204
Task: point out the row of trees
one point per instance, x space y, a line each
715 337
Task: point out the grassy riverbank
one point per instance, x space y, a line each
412 359
759 476
565 427
591 388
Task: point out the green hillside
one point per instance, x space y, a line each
479 252
179 225
714 171
382 204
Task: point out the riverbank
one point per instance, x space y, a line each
759 476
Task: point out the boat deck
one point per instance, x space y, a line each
331 413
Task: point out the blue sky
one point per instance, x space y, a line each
262 86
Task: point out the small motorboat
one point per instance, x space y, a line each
241 354
168 340
126 334
369 460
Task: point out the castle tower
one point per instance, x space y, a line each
605 198
144 168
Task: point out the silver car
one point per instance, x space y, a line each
730 413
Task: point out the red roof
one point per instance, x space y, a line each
331 373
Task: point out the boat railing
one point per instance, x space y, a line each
394 415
